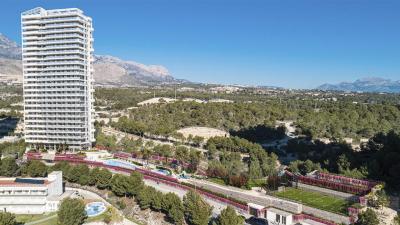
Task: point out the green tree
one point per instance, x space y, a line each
61 166
103 179
198 140
228 216
35 168
71 212
197 211
157 198
77 171
343 163
8 167
254 169
7 218
135 183
379 199
94 176
145 198
119 184
173 206
368 217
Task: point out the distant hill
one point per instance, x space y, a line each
109 70
9 49
370 84
112 70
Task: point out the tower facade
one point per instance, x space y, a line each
57 57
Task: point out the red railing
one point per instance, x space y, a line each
333 185
124 155
346 180
301 217
146 174
33 155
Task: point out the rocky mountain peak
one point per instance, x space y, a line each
9 49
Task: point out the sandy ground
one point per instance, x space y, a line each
205 132
155 101
385 215
124 222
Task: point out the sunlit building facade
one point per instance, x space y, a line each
58 78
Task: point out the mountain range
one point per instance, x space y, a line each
370 84
113 71
108 70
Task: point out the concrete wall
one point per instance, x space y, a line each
56 185
24 209
261 199
271 217
326 215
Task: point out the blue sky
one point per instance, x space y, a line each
297 44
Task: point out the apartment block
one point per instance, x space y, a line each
58 79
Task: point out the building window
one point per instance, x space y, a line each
278 218
283 219
253 212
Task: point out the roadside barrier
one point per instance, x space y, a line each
174 182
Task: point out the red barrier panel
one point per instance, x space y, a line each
146 174
346 180
301 217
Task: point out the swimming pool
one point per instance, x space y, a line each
113 162
95 208
163 172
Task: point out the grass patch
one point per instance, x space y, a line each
316 200
25 218
110 214
257 183
53 221
216 180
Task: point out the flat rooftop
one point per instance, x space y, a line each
280 212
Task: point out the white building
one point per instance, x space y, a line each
32 195
276 216
58 78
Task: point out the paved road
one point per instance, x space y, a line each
248 196
218 206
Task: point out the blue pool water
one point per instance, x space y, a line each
113 162
163 172
95 208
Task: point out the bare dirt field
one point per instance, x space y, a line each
205 132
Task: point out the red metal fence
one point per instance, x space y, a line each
146 174
336 182
301 217
346 180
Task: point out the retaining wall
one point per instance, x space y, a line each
326 215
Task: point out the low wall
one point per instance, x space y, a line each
82 191
326 215
347 196
264 200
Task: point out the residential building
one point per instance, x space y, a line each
57 54
32 195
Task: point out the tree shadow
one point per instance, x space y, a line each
260 133
7 126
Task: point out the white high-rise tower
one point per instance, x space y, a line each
58 78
